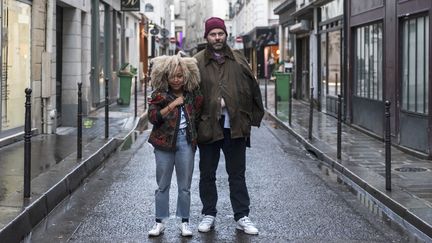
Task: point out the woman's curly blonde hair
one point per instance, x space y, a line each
164 67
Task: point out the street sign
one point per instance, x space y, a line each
164 32
172 40
154 31
130 5
239 39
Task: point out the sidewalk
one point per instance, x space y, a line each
56 172
362 166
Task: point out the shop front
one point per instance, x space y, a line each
260 45
15 63
330 83
397 71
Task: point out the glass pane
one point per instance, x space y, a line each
372 56
380 61
323 64
16 62
426 75
361 63
367 63
357 63
101 51
405 66
411 64
334 63
332 10
415 65
420 65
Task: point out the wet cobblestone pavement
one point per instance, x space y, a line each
291 201
363 159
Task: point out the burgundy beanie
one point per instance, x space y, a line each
213 23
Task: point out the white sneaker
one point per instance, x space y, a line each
247 226
185 229
157 229
207 223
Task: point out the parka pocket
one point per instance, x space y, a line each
204 130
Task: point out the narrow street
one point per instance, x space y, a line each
292 200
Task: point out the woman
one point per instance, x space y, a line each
173 107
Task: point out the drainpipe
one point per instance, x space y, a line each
47 102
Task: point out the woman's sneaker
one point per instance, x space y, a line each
185 229
157 229
207 223
247 226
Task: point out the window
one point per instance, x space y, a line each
415 64
368 62
332 10
15 61
330 46
148 8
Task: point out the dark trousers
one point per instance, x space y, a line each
235 164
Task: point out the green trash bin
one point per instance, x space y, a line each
282 86
125 76
125 88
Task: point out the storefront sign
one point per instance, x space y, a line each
130 5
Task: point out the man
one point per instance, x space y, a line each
232 104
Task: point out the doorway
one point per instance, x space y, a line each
302 79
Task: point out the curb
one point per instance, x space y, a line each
16 137
37 210
395 210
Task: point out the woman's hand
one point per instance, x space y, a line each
171 106
177 102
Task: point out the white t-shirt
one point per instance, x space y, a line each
183 123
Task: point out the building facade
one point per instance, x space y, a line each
197 13
257 25
368 52
397 71
159 14
51 46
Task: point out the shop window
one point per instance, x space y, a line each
16 57
331 62
415 64
368 67
102 49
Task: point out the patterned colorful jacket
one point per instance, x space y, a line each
164 133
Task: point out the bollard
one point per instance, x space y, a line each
147 81
290 103
339 127
387 141
311 114
265 92
145 92
27 144
106 109
136 97
275 97
79 122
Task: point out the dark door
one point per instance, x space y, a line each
302 79
59 63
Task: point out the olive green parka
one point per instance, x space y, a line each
234 82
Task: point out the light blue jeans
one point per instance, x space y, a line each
183 161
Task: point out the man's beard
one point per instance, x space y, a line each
210 46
